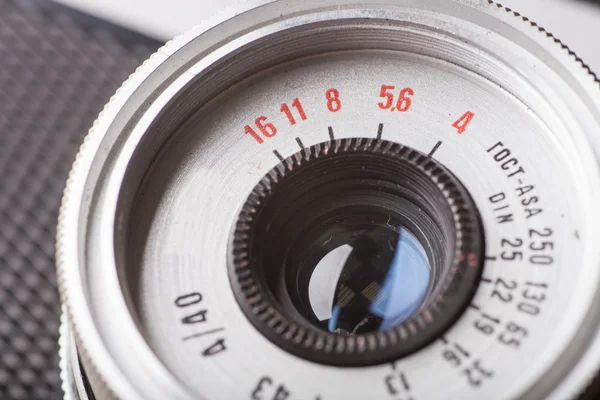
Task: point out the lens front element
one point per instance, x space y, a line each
373 282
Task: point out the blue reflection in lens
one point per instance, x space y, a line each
335 315
365 303
405 284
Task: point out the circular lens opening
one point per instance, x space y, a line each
356 251
373 282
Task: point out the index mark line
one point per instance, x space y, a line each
379 131
474 307
300 143
278 155
463 351
490 258
437 146
197 335
404 382
331 137
486 280
496 320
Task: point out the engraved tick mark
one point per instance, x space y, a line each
432 152
278 155
379 131
197 335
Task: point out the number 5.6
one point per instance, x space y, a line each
403 102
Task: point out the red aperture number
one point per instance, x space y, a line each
334 104
402 103
288 112
265 128
464 121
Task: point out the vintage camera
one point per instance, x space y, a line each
339 200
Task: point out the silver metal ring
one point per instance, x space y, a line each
156 188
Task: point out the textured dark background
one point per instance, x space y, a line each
57 70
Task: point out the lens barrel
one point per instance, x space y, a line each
399 238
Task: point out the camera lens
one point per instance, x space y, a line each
290 204
370 279
356 251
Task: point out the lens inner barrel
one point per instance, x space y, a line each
356 251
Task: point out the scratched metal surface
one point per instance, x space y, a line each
575 22
57 70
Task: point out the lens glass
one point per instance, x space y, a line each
373 282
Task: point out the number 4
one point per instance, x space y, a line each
462 123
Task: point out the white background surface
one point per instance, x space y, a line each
575 22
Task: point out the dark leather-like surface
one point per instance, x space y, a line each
57 70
